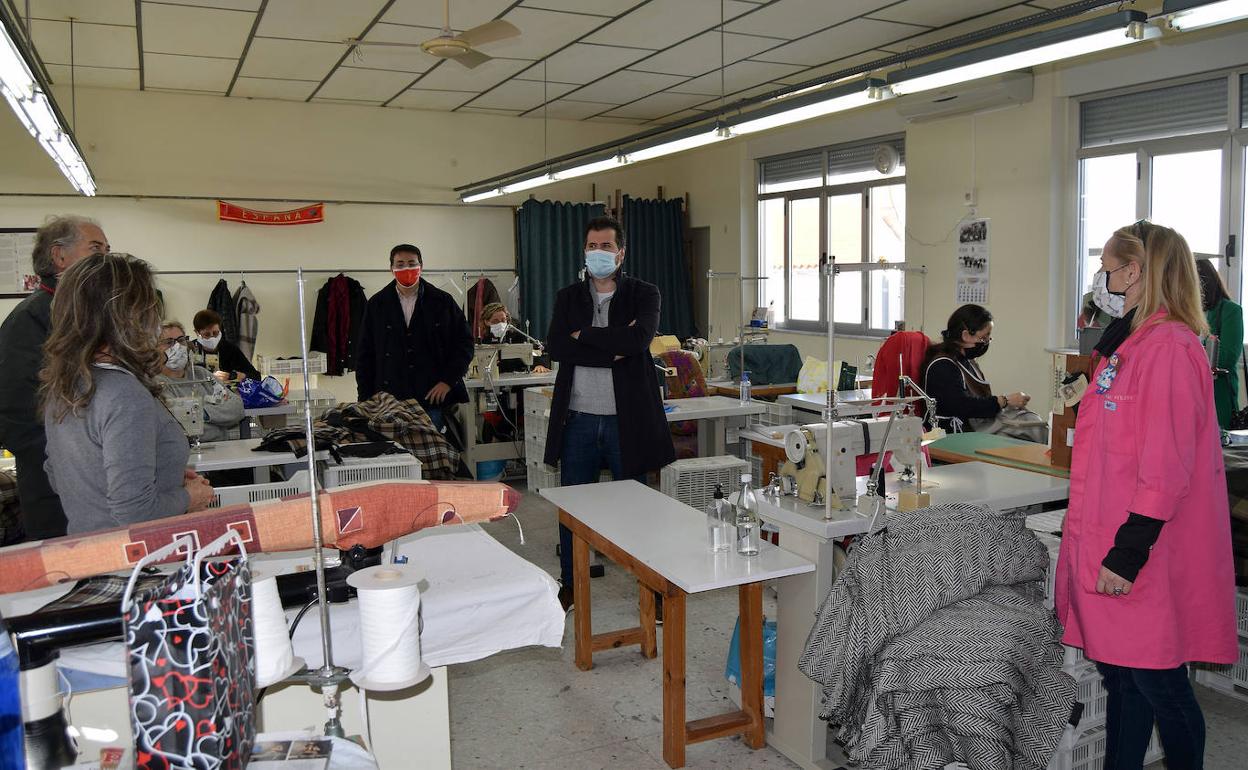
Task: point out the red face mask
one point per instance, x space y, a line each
407 276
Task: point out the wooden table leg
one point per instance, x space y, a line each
751 611
674 678
580 596
649 646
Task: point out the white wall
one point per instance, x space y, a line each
153 144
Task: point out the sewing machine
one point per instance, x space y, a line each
806 448
486 357
189 412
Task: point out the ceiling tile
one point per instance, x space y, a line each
790 19
450 76
661 23
566 109
600 7
521 95
693 56
484 111
366 85
626 86
269 88
938 13
177 29
408 58
835 66
294 59
240 5
581 63
683 114
541 33
193 73
432 13
424 99
762 88
95 45
737 77
357 102
849 38
93 12
656 106
97 77
620 121
329 20
935 36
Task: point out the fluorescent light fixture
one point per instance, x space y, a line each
805 107
527 184
483 195
703 137
1109 31
38 114
1194 14
593 167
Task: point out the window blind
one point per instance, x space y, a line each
1243 101
791 173
858 158
1188 108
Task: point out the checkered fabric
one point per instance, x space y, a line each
10 510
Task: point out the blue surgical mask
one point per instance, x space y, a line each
600 263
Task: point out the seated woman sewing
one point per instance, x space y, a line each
223 409
964 398
498 320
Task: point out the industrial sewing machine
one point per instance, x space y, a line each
486 357
804 472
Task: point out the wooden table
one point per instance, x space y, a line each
662 542
998 450
757 391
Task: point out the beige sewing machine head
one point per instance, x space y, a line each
486 357
805 449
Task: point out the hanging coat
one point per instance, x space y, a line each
337 323
482 293
1149 444
247 308
222 304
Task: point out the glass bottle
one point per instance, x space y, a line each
747 519
719 522
745 387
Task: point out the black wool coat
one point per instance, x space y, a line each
645 439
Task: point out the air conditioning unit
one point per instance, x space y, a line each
994 93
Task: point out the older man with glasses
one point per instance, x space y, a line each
61 242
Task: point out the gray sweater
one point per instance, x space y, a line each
121 460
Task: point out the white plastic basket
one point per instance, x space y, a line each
1047 522
537 402
1075 660
693 481
541 476
1090 691
1054 545
1241 611
272 366
253 493
322 400
357 470
1085 752
776 414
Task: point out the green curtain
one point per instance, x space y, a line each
655 252
550 249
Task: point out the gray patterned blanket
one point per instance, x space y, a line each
933 648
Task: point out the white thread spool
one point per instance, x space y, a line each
389 602
275 658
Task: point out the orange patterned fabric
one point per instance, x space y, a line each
365 514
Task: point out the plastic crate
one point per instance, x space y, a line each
1080 751
1090 691
1054 545
537 402
1241 611
322 400
541 476
253 493
360 470
1075 660
776 414
693 481
1047 522
285 367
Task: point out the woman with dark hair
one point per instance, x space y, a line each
951 376
1226 322
116 455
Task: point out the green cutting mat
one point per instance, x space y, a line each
968 445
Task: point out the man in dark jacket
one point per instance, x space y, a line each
60 243
415 341
607 411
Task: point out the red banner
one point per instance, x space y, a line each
228 212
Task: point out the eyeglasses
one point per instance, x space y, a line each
166 342
1141 232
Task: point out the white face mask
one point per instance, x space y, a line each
1112 303
210 343
176 357
498 329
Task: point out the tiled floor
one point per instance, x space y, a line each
532 708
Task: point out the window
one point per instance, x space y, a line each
833 202
1173 154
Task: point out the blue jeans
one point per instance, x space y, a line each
591 442
435 414
1138 697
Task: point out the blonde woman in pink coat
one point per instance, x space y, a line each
1145 582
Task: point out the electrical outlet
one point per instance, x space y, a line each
969 197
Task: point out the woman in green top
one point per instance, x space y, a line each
1226 322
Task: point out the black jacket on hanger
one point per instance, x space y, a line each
339 304
645 440
406 360
222 303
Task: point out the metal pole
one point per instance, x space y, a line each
830 411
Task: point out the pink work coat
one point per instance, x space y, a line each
1150 445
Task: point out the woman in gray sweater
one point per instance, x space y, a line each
116 455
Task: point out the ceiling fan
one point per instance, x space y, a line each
461 48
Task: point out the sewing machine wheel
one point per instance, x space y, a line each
795 446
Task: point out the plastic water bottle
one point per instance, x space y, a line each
745 387
719 522
12 748
747 519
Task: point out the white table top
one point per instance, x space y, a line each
237 453
709 408
668 536
517 379
996 486
286 408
